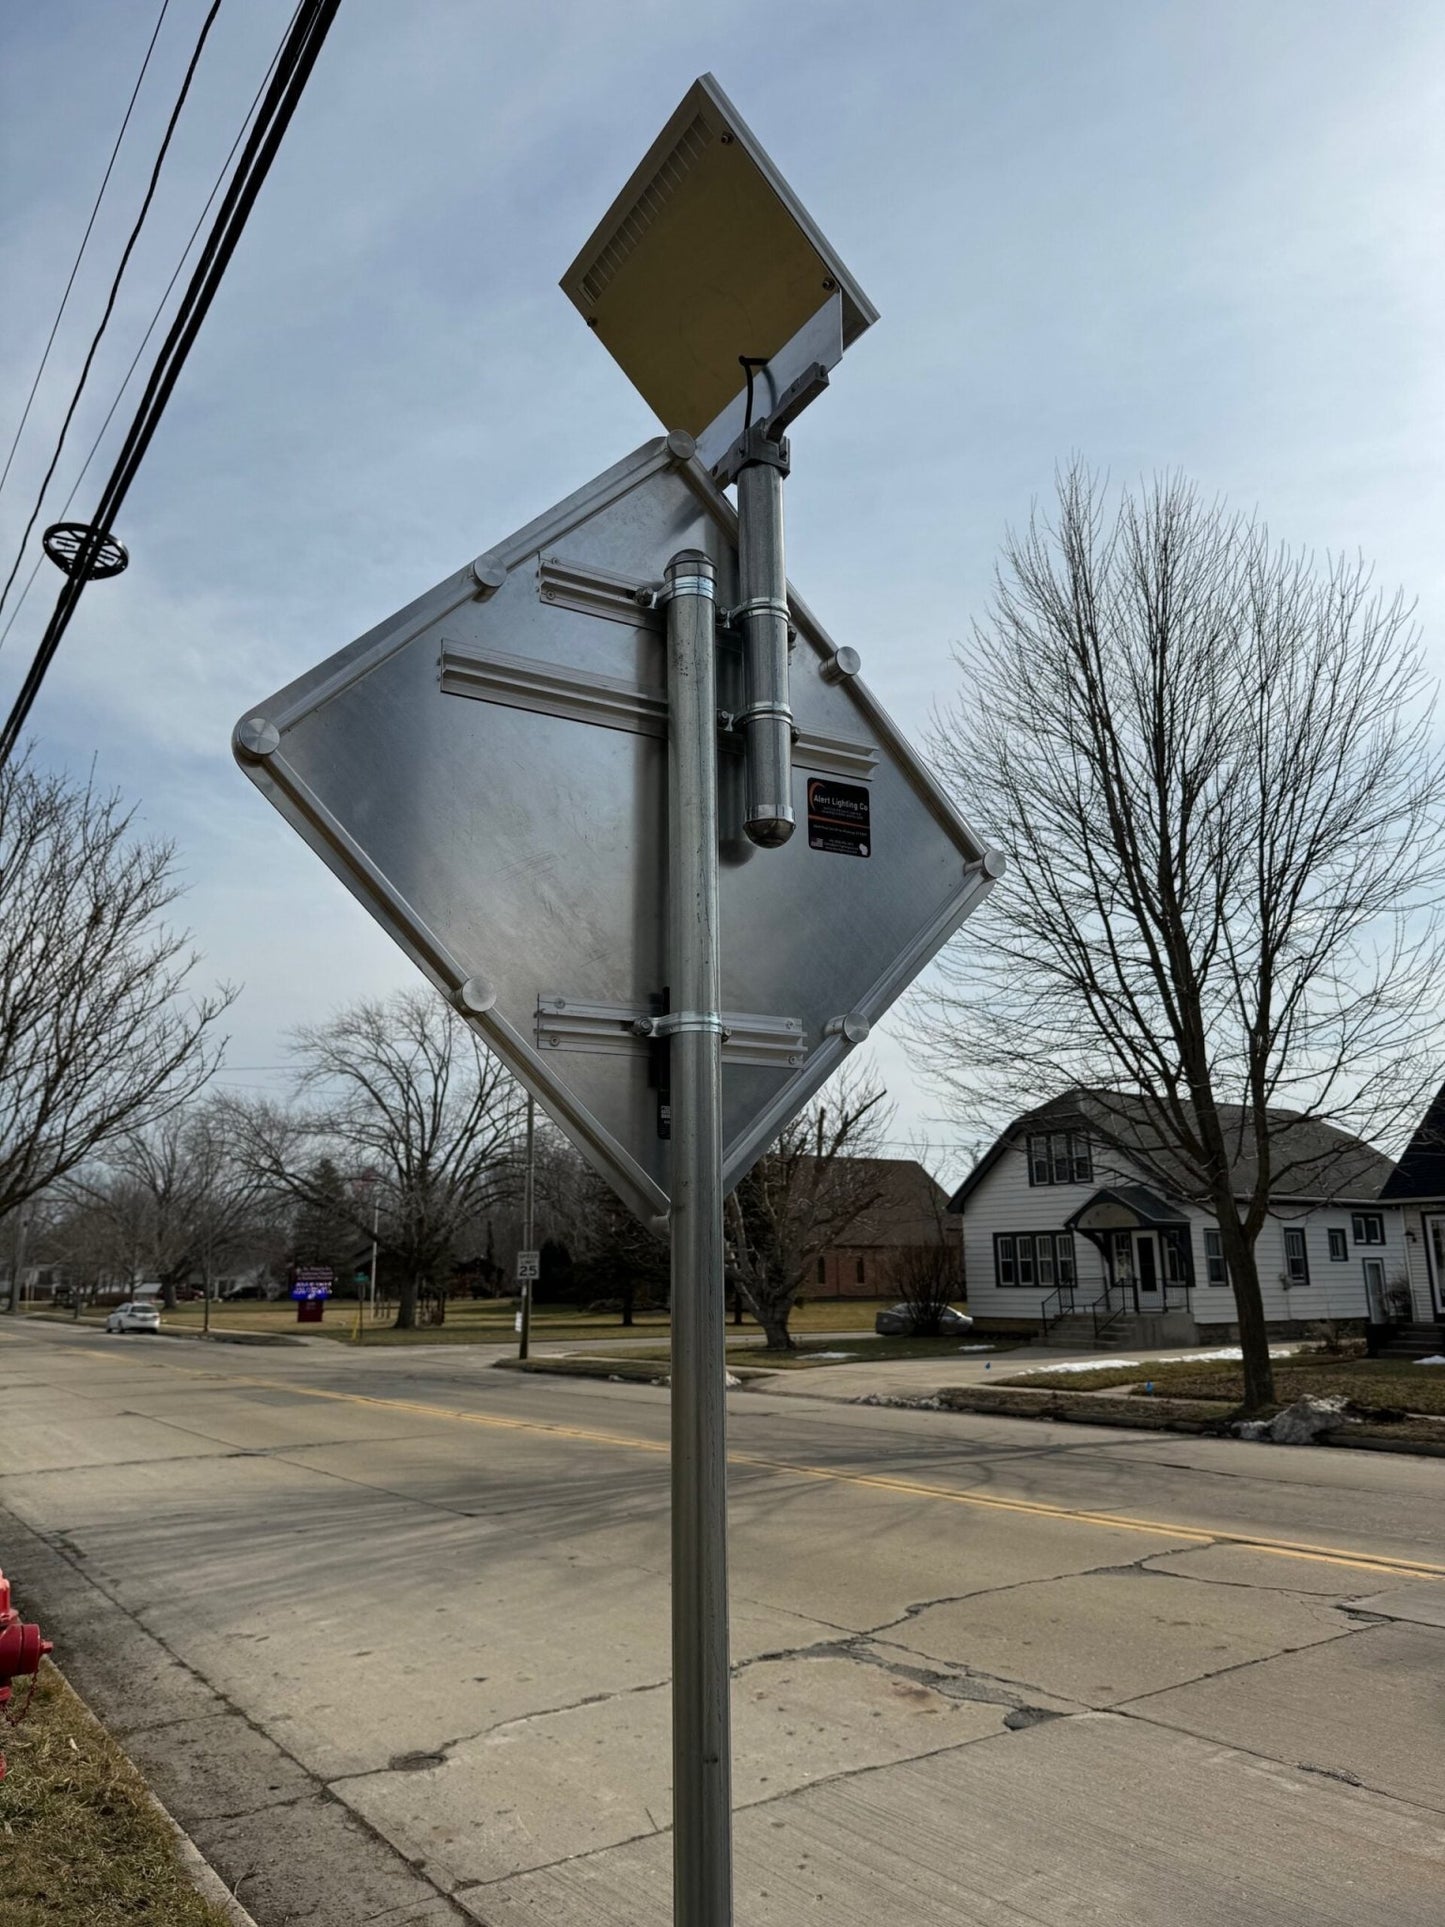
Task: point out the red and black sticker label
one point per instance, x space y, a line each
838 817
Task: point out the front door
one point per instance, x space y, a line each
1147 1266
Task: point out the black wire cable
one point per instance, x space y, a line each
84 242
131 240
299 54
150 327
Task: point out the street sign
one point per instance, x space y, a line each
486 772
529 1266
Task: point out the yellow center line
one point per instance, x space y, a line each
910 1488
1354 1561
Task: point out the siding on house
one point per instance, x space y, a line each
1423 1299
1005 1202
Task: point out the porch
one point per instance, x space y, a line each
1148 1297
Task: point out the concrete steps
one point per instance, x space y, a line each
1414 1341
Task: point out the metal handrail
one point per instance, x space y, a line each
1062 1298
1110 1313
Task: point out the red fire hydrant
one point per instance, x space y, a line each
21 1650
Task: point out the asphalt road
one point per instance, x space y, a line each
388 1632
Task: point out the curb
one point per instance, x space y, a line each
203 1876
1006 1402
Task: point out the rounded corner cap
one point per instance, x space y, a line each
488 574
476 996
660 1222
995 862
680 445
853 1028
256 738
841 666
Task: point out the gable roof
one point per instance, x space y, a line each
1421 1171
1320 1159
910 1205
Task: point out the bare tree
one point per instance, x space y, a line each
174 1197
407 1089
98 1033
802 1197
1213 766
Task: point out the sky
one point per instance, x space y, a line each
1158 234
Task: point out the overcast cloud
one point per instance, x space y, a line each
1203 236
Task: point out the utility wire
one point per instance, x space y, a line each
150 330
298 58
84 241
131 240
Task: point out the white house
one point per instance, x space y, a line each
1061 1221
1417 1186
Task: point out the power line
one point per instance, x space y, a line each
150 328
299 53
84 241
131 240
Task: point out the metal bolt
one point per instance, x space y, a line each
257 738
476 995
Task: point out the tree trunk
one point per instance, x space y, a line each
775 1329
406 1303
1243 1265
629 1292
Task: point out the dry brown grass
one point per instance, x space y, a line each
81 1842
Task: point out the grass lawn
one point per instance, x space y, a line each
489 1321
1376 1383
81 1844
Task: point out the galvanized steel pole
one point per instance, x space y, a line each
528 1190
701 1722
767 720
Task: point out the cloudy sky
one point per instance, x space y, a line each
1193 234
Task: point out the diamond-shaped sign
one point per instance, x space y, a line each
486 771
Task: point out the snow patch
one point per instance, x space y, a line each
1436 1358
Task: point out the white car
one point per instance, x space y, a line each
136 1316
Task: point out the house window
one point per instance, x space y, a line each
822 1271
1215 1269
1296 1263
1338 1246
860 1272
1369 1228
1060 1157
1042 1259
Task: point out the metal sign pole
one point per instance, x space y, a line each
763 613
701 1723
528 1196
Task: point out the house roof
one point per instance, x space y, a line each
1314 1159
1148 1208
1421 1171
911 1206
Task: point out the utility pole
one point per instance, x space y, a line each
17 1257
